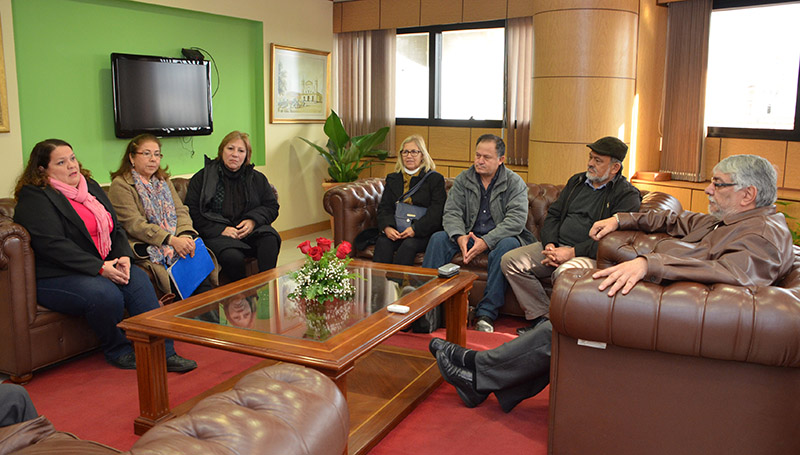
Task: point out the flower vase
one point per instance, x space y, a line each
324 319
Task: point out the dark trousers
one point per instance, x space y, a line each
15 405
264 248
400 252
102 303
518 369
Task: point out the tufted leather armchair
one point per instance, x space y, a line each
280 409
353 207
681 367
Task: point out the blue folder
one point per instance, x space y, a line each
187 273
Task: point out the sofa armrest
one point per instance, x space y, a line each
17 295
656 200
353 207
621 246
279 409
748 324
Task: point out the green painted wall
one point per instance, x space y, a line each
63 52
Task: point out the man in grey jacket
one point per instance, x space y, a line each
486 210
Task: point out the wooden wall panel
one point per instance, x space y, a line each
484 10
403 131
520 8
453 171
598 43
337 18
699 202
399 13
360 15
774 151
684 195
581 109
449 143
792 178
438 12
538 6
381 170
555 163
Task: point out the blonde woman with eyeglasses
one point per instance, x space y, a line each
400 246
151 212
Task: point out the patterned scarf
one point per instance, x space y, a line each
102 217
159 209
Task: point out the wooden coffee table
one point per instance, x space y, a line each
253 316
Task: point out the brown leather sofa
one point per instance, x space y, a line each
682 368
353 207
31 336
280 409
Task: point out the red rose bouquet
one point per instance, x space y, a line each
324 277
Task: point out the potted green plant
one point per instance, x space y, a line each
345 155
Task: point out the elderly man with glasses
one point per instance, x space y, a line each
744 241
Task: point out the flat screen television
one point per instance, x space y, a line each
160 95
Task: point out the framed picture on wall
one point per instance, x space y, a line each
4 124
300 82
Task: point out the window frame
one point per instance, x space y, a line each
434 76
757 133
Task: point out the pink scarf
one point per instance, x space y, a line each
81 195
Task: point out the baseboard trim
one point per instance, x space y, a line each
305 230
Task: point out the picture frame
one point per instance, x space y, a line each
5 126
300 81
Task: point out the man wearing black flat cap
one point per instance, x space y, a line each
589 196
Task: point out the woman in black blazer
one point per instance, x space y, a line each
413 162
83 260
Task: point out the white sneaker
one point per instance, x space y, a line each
484 325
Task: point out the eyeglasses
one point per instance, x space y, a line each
149 154
410 152
718 185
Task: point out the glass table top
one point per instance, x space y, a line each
266 308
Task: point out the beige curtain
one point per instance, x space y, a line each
519 83
363 73
685 89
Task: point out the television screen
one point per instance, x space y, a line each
161 96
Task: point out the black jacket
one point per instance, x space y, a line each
620 196
59 238
261 206
431 195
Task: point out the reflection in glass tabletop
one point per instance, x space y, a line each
266 308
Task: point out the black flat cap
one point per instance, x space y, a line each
610 146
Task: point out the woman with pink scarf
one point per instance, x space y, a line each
83 260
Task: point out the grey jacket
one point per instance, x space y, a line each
508 206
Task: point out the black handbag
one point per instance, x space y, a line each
404 213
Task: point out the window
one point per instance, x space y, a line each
451 75
753 67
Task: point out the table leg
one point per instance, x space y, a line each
151 373
456 317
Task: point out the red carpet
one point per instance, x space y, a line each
96 401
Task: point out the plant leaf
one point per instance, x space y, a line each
335 131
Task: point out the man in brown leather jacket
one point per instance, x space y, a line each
744 241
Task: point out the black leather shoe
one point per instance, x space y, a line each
178 364
452 351
534 323
462 379
125 361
